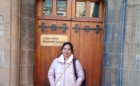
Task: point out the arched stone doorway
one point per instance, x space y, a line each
110 61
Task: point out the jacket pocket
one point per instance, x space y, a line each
72 77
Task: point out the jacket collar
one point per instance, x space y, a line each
61 58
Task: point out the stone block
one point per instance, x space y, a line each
117 14
31 44
23 58
113 76
135 48
7 58
108 30
31 58
135 15
5 7
27 74
116 32
130 2
121 48
23 44
129 13
110 13
24 28
31 11
24 73
15 27
14 59
138 25
107 47
127 48
111 32
7 33
128 33
32 2
4 73
115 48
7 23
32 34
23 80
15 7
107 75
133 32
136 2
124 78
134 77
110 60
14 76
110 76
123 61
31 73
31 84
4 83
24 8
111 2
32 28
28 84
7 43
132 62
23 61
14 44
118 2
2 42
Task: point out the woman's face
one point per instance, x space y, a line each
66 51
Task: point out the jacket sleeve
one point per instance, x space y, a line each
80 73
51 73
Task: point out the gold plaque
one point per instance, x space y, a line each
53 40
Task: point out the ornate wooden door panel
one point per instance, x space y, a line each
87 43
46 54
88 49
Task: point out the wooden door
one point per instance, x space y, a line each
87 43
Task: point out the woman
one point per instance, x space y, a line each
60 64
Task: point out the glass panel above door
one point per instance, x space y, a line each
81 9
94 9
61 7
47 7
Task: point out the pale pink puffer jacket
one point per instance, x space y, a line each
68 78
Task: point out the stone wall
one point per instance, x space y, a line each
121 49
9 42
111 42
121 55
27 40
129 59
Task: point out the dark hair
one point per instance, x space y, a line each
67 43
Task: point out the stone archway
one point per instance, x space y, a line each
111 42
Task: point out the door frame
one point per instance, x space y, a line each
72 17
